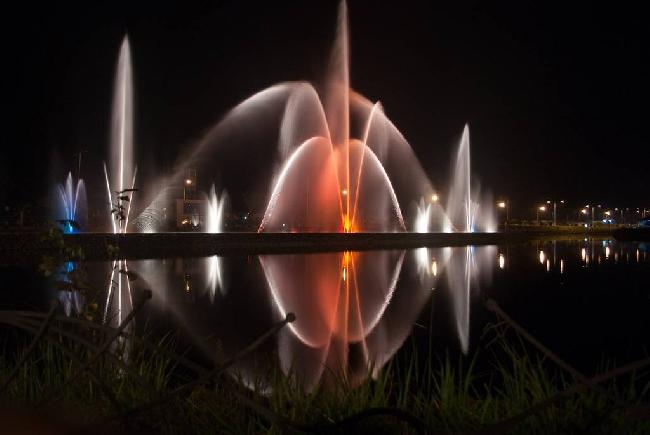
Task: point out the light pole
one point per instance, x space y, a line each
584 212
504 204
541 208
188 182
555 210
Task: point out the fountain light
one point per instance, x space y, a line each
502 204
434 197
542 256
434 268
561 266
502 261
583 254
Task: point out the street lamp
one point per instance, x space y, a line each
541 208
504 205
554 210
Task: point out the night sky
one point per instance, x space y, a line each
556 95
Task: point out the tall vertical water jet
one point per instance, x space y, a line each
337 105
120 173
461 208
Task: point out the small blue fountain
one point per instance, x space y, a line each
71 207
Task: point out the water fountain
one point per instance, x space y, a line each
214 224
120 175
120 183
71 208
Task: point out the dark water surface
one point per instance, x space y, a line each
585 299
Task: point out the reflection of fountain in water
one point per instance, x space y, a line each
462 267
71 204
119 299
71 300
340 301
120 175
214 224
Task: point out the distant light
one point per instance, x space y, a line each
344 192
502 261
583 254
434 197
548 265
561 266
502 204
188 181
548 202
541 257
607 213
434 268
561 201
583 211
606 251
542 208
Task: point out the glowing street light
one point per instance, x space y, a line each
434 197
188 181
504 205
541 208
345 192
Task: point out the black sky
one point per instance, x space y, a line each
555 94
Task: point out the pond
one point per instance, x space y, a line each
586 299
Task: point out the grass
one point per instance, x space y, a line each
442 395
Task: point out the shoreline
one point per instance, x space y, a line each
32 246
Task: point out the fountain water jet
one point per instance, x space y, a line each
71 206
120 175
214 224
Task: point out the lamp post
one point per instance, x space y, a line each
584 212
541 208
188 182
504 205
554 210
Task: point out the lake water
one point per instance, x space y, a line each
587 299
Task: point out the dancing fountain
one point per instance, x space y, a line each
341 166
